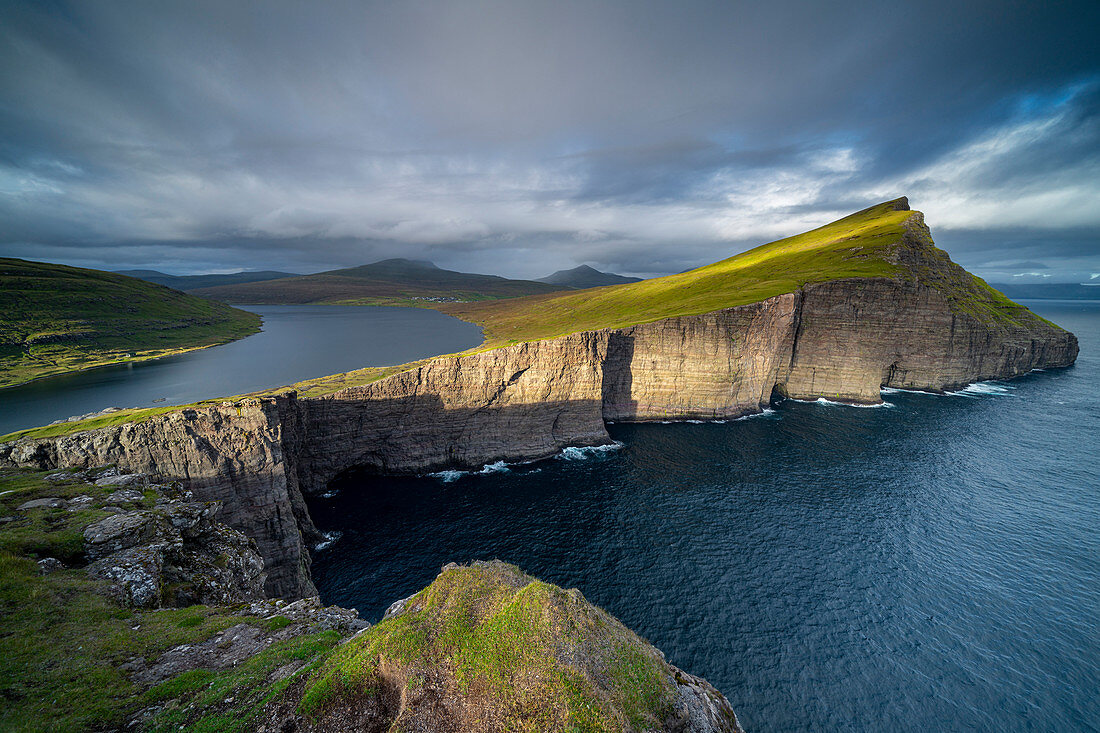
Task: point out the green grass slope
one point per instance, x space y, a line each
389 282
63 641
55 319
868 244
886 240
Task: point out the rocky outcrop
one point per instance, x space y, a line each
486 647
933 327
241 642
229 453
174 553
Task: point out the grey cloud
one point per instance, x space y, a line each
644 137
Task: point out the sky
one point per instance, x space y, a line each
522 137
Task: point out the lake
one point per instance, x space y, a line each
297 342
933 564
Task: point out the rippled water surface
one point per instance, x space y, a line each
297 342
930 565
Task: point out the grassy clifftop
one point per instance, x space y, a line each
859 245
887 240
869 243
55 318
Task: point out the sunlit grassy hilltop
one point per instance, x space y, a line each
863 245
855 246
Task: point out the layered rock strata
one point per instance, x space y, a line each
933 327
232 454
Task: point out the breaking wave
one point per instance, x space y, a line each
834 403
575 453
450 476
984 389
330 539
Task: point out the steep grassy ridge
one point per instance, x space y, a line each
55 318
884 241
389 282
865 244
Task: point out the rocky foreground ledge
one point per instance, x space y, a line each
127 605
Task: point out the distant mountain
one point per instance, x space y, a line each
395 281
586 277
193 282
1054 291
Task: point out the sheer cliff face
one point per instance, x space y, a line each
524 401
715 365
934 328
222 455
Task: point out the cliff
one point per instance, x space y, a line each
231 454
874 304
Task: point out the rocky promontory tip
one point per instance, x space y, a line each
486 647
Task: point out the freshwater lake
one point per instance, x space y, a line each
933 564
297 342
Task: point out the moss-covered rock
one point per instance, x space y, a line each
487 647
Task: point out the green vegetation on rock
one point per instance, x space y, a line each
506 651
65 644
520 653
56 319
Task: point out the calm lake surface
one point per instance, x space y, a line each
930 565
297 342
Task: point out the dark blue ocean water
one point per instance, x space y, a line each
297 342
932 565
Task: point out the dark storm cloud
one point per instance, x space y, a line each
520 138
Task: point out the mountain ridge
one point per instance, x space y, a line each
394 281
193 282
583 277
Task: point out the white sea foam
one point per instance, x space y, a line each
330 494
834 403
899 390
763 413
330 539
981 389
577 453
448 476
